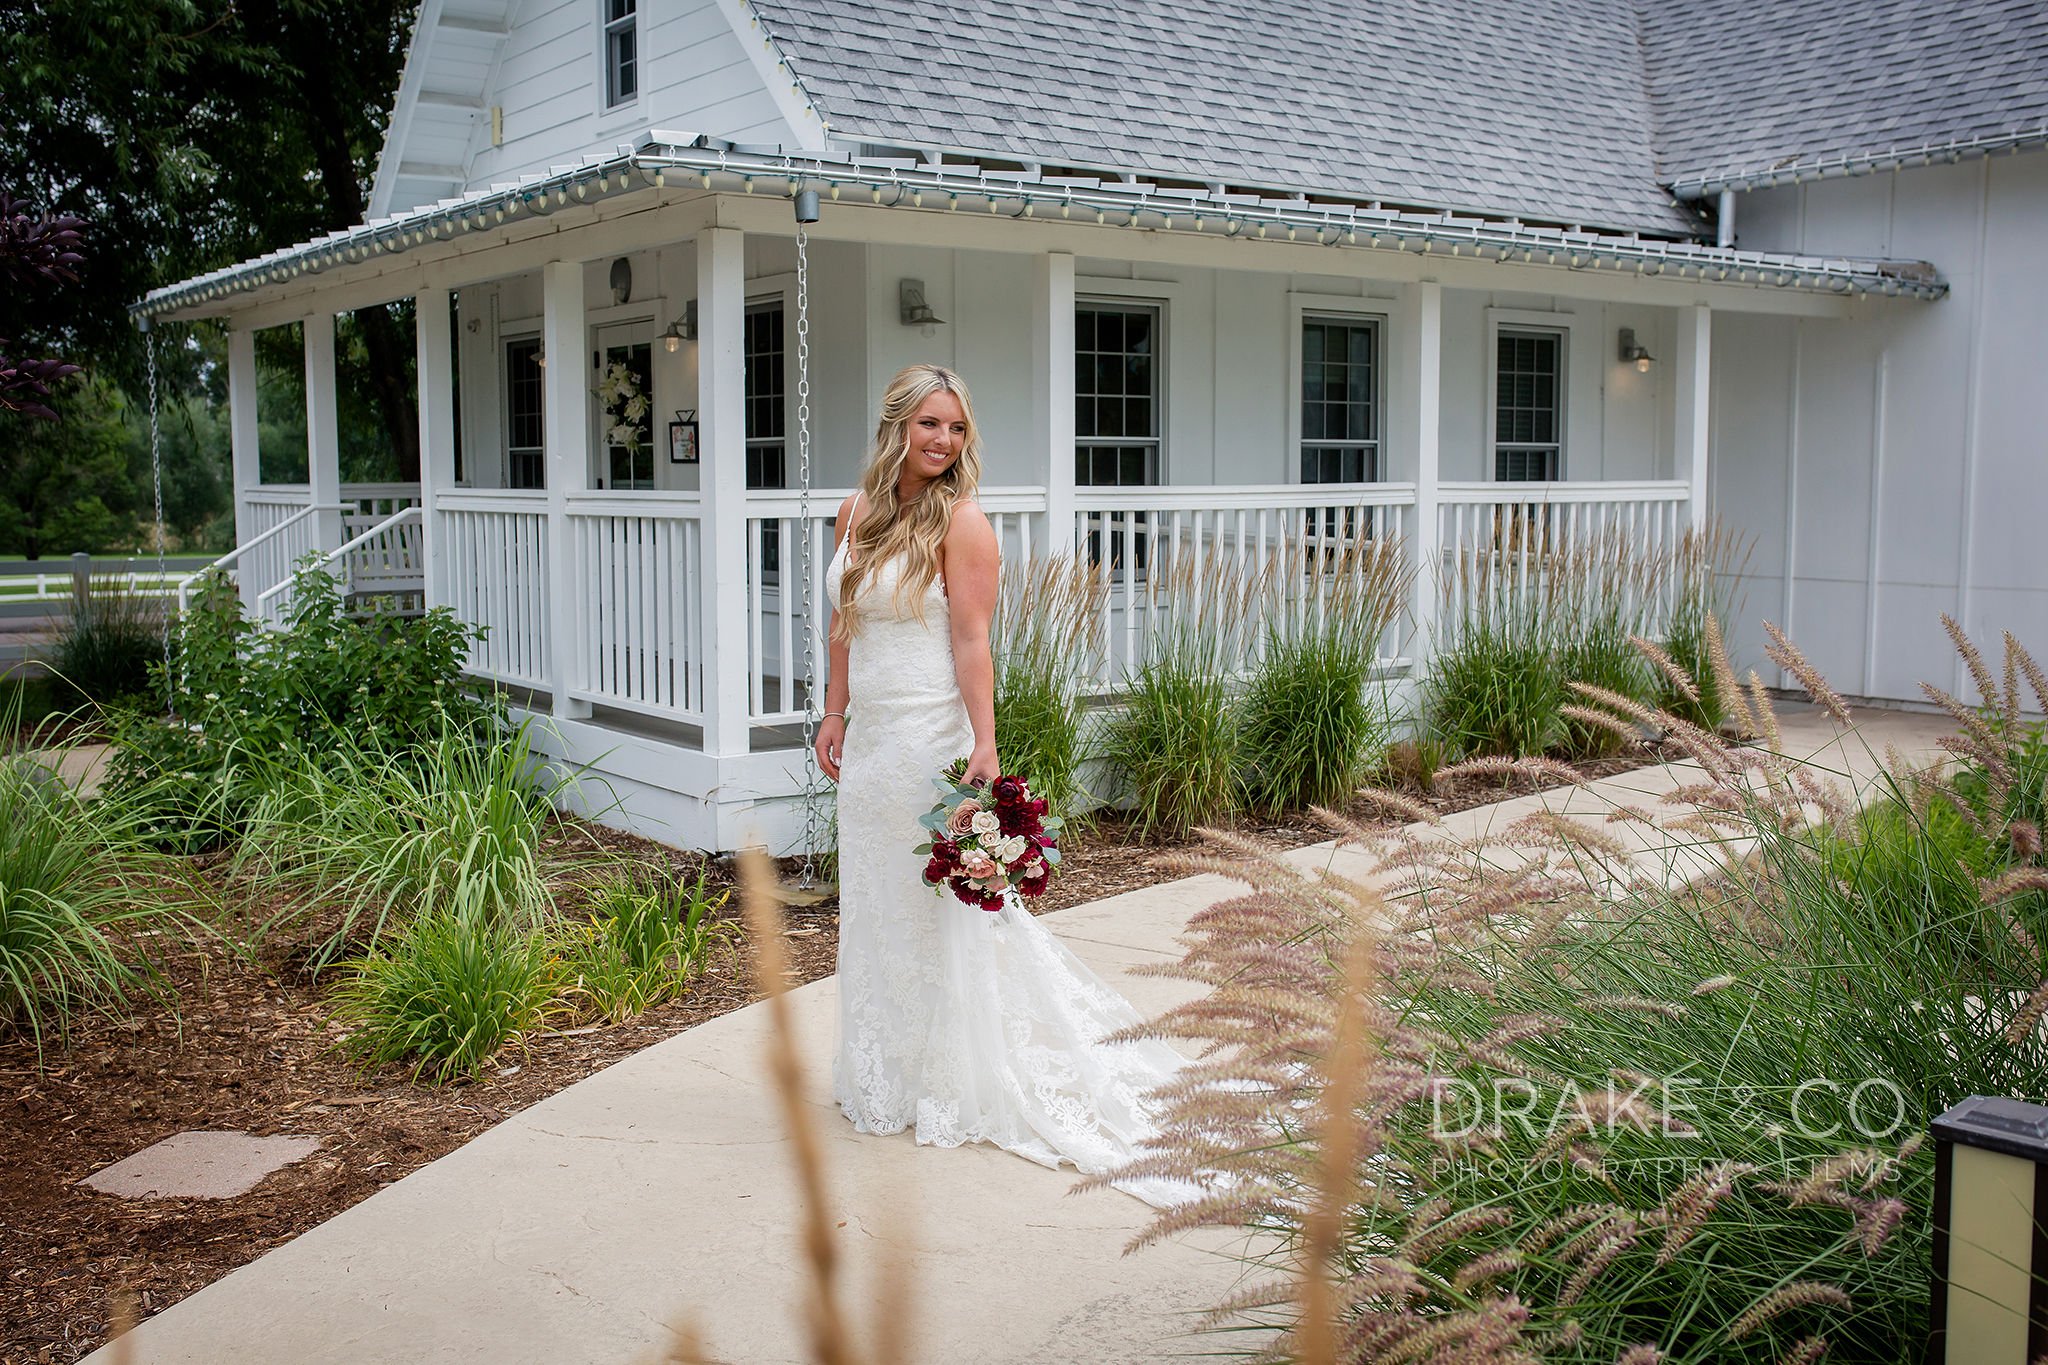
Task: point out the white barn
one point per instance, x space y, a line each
1640 260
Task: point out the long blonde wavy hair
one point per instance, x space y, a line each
885 528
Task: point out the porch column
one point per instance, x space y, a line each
1425 363
566 434
721 405
1694 363
242 444
1052 392
436 392
323 433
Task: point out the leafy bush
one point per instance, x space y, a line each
108 644
66 890
1308 732
1496 690
446 992
1574 1117
1048 628
641 945
452 826
243 696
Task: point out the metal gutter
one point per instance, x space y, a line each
663 158
1704 184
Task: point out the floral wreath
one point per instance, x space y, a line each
625 406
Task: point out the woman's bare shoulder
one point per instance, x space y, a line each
970 522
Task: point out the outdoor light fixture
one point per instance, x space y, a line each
622 281
1632 354
1990 1298
682 329
916 312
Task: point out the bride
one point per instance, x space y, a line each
964 1025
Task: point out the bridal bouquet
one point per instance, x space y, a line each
988 840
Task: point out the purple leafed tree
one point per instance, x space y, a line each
35 248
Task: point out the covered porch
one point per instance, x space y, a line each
646 601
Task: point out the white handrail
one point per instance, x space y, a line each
389 523
185 583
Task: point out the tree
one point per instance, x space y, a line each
190 134
36 248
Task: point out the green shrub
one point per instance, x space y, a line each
1038 732
1601 655
1174 744
451 826
446 993
108 645
244 695
66 890
1496 690
641 945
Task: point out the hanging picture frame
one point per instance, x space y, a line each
682 437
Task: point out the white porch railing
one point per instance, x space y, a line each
1515 529
640 638
1137 536
283 533
495 546
776 622
393 564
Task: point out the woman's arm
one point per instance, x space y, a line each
831 736
973 564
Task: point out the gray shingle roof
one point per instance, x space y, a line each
1528 107
1568 111
1738 85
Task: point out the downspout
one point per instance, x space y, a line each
1724 230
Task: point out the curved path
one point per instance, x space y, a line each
661 1188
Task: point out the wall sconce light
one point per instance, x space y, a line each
916 312
1990 1204
682 329
540 358
1632 354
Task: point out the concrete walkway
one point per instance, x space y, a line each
661 1187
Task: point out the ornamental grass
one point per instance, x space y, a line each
1546 1096
1048 632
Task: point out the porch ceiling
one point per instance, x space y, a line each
663 158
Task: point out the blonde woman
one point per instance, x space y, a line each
957 1023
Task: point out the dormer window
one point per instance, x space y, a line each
621 52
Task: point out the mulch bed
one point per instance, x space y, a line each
250 1047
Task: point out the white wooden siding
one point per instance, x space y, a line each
694 76
1913 438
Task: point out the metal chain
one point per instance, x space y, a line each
156 473
803 523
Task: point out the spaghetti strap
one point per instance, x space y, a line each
852 519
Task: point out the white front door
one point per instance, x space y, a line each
623 446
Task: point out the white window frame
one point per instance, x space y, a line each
606 106
646 313
1571 335
1163 295
1303 308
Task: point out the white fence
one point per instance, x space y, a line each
640 635
1511 535
639 639
496 546
1154 550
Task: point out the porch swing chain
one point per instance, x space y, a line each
156 474
803 525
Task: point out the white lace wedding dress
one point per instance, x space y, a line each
966 1025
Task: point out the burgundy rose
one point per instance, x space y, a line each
1008 791
991 900
1038 805
1034 886
945 851
935 871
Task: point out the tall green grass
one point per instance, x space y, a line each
641 943
451 827
447 992
1309 728
1172 742
69 891
1709 567
108 644
1048 631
